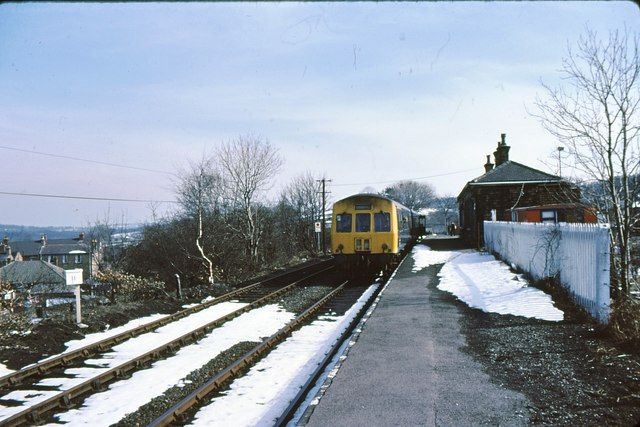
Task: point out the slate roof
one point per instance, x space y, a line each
514 172
37 276
53 247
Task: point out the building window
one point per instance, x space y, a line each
363 222
78 259
343 223
64 259
548 216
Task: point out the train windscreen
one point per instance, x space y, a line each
382 221
343 223
363 222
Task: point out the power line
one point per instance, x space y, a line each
107 199
61 156
405 179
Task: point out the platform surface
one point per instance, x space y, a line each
408 367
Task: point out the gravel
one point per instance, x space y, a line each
571 371
301 299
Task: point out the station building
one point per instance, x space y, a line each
504 187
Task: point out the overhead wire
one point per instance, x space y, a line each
405 179
80 159
107 199
118 165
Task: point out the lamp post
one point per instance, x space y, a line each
560 150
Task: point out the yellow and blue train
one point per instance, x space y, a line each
370 231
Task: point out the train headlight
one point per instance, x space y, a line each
385 247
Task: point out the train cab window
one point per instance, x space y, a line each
382 221
343 223
363 222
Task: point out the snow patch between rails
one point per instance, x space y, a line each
99 336
126 396
483 282
260 397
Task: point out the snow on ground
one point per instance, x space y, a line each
483 282
120 354
5 371
99 336
423 257
124 397
259 397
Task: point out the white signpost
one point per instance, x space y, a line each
318 228
74 278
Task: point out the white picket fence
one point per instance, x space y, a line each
578 254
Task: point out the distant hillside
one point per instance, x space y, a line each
29 232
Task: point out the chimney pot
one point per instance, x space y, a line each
488 166
502 152
81 236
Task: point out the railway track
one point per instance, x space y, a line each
259 293
65 359
338 300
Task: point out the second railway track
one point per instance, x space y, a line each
258 293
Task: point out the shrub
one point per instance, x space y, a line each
625 321
14 324
130 288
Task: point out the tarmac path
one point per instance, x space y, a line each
409 367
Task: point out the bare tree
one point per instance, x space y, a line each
248 165
199 192
445 212
412 194
594 114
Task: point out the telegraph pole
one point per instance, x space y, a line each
323 181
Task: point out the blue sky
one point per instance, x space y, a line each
364 92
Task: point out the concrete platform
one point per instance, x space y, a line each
408 367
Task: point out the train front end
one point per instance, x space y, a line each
365 232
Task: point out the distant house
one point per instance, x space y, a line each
37 281
64 253
6 255
505 187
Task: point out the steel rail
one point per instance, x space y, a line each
65 359
63 399
175 413
288 414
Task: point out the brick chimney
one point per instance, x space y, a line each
502 152
5 240
488 166
81 237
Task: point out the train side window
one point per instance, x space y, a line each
363 222
382 221
343 223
